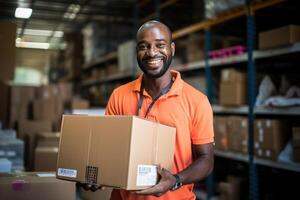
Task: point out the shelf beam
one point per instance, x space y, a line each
223 18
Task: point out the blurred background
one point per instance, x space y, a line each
67 56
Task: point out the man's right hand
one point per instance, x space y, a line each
90 187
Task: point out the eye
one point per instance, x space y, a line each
142 47
161 45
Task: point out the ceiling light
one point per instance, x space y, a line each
33 45
24 13
38 32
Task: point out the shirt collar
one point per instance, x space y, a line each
175 89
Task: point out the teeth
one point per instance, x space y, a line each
154 61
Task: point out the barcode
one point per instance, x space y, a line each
144 170
67 172
146 175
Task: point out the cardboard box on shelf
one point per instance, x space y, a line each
270 137
282 36
47 139
296 154
221 132
65 91
296 137
45 158
115 151
233 88
233 94
27 131
8 50
80 104
50 108
237 134
112 69
35 185
127 56
271 133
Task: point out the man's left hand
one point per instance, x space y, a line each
166 182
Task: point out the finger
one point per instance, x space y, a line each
150 191
102 187
86 186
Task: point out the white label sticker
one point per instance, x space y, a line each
67 172
146 175
45 175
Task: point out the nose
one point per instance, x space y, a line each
152 51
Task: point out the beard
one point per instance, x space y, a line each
164 69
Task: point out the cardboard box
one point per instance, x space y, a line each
238 134
46 91
7 50
103 194
48 139
270 137
296 137
221 132
282 36
30 127
28 131
233 88
80 104
45 158
116 151
270 133
4 102
28 186
296 152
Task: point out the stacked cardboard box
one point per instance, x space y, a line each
46 151
233 88
79 104
116 151
28 132
282 36
221 132
7 51
231 133
127 57
238 134
28 186
296 143
270 136
195 48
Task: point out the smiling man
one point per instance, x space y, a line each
159 94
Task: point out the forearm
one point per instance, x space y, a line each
201 167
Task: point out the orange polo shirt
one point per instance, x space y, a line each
182 107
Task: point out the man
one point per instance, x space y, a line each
161 95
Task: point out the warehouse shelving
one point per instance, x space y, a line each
111 78
291 166
259 110
258 54
99 61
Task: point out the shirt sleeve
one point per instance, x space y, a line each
202 131
112 107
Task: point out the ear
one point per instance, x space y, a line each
173 48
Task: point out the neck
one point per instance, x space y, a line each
155 85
